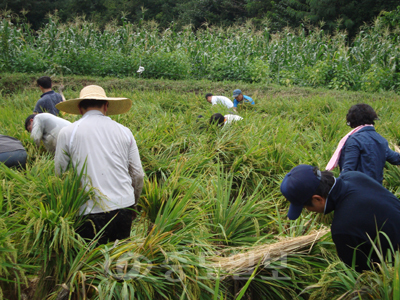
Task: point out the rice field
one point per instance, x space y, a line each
212 223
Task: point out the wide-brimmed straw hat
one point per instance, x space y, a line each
116 106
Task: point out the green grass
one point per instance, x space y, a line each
207 192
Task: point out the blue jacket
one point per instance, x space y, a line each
361 207
245 99
367 151
47 103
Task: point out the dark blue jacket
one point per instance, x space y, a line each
367 151
361 207
47 103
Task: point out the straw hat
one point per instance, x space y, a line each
94 92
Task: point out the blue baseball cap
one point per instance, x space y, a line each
298 186
236 93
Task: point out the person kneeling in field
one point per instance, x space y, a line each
45 127
214 100
362 208
12 153
224 120
239 98
110 155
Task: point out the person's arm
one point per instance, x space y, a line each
37 131
61 157
250 100
392 156
135 168
60 91
351 156
235 104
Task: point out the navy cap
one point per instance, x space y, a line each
236 93
298 186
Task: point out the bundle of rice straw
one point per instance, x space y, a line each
265 254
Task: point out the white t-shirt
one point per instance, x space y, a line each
232 118
221 100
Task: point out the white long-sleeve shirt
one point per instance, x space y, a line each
46 128
221 100
113 165
231 118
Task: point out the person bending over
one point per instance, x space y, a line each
224 120
45 127
214 100
362 208
12 153
239 98
363 149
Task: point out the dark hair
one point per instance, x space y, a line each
28 120
85 104
325 185
44 82
217 119
361 114
208 95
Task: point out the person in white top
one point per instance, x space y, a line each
110 155
224 120
45 127
219 100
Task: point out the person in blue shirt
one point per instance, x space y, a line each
48 99
240 98
365 150
362 208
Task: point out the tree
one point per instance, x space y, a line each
345 14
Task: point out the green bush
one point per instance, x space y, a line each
377 78
169 65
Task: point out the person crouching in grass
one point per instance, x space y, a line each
362 207
239 98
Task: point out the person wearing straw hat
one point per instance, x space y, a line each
362 208
108 152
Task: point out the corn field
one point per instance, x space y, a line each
305 56
209 194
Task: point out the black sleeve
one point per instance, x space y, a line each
349 247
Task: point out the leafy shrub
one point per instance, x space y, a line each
169 65
377 78
321 74
259 70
